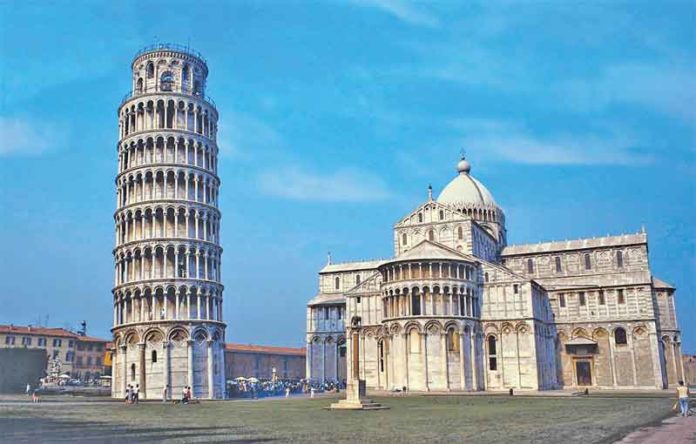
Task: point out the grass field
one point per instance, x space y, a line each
471 419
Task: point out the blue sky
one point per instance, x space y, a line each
335 116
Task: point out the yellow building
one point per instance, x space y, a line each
58 343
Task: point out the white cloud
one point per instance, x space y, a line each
21 137
669 90
241 135
499 140
404 11
344 185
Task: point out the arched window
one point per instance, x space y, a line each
420 217
492 354
404 239
380 346
197 87
357 279
486 276
558 264
530 266
139 85
588 262
620 336
337 283
185 73
452 341
415 304
431 235
601 297
154 356
442 215
132 371
460 233
167 81
619 259
150 70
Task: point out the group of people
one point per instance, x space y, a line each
254 388
132 394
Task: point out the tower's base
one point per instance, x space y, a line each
355 399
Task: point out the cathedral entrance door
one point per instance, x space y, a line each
583 371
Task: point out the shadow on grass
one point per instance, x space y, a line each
45 430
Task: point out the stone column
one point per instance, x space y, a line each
424 354
124 369
165 356
141 370
211 379
404 338
189 359
445 365
473 358
462 362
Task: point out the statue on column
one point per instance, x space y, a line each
355 388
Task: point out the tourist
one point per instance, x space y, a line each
311 392
184 395
128 394
683 397
136 393
287 391
35 395
165 393
189 395
28 388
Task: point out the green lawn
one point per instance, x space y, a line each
471 419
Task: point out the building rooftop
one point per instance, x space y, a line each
352 266
576 244
29 330
465 189
266 349
36 331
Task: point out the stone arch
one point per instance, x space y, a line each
177 334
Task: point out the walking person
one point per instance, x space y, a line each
28 388
136 394
165 393
683 397
184 395
35 395
128 394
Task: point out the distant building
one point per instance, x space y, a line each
68 353
259 361
456 308
58 343
90 358
689 369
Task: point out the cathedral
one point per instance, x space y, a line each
457 309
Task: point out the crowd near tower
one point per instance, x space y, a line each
168 330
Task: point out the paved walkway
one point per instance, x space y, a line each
673 430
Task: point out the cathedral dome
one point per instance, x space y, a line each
465 190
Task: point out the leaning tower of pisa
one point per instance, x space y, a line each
168 328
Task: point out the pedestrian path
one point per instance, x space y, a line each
673 430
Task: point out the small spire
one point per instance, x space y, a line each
430 193
328 262
642 228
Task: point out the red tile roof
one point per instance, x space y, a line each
36 331
91 339
266 349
